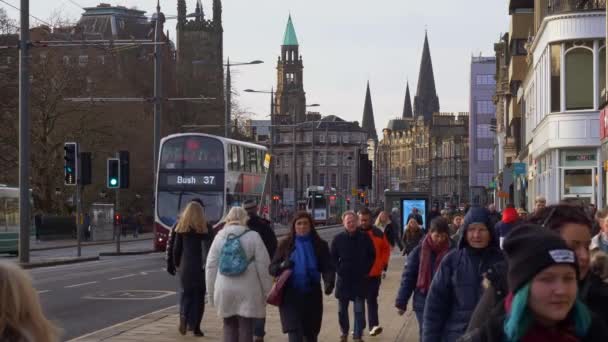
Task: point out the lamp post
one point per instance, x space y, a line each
228 95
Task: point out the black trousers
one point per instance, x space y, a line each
193 305
373 290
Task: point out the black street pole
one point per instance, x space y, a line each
24 130
157 87
228 99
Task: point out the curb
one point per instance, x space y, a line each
57 262
100 243
150 251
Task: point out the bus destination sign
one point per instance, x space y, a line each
198 180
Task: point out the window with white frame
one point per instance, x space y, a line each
485 154
484 131
83 60
333 138
322 158
322 138
485 107
579 77
346 138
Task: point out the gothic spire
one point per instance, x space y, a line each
368 116
426 101
290 38
217 11
407 107
181 12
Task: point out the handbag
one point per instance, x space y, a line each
275 297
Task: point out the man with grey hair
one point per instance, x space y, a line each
539 204
263 228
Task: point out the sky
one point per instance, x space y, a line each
344 44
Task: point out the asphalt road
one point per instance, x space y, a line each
83 298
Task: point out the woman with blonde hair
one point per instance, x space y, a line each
412 236
390 230
237 276
192 240
21 316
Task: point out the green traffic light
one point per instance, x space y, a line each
113 181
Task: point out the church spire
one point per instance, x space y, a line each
217 11
426 101
181 13
368 116
407 107
290 38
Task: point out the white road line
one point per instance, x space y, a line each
125 276
78 285
43 291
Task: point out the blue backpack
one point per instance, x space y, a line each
233 259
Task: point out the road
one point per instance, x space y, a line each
83 298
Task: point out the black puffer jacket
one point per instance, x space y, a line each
263 228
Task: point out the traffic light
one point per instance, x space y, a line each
85 168
123 156
365 171
113 180
70 156
276 198
116 219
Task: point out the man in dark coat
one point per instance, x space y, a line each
353 255
457 285
263 228
494 215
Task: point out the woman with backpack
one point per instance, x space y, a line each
192 240
307 255
237 276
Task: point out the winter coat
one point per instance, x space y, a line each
243 295
457 285
189 255
304 309
353 255
262 227
169 251
492 329
409 278
495 217
382 248
410 243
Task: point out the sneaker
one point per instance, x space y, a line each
375 331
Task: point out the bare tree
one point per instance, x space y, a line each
7 25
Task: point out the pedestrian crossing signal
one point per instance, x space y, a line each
113 180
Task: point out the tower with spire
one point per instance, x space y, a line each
426 101
290 97
368 124
200 63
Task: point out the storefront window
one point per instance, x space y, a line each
578 182
556 61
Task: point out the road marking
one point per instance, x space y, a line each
78 285
43 291
125 276
131 295
84 337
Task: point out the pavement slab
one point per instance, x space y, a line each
162 325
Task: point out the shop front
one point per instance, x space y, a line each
579 176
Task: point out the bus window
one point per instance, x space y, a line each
243 162
253 160
192 153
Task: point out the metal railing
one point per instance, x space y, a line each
568 6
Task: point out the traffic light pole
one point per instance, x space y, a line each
79 216
119 223
24 134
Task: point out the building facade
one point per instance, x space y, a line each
561 100
482 141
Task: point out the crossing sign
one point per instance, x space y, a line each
267 160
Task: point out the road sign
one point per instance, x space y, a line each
519 169
354 192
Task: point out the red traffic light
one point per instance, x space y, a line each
332 198
276 197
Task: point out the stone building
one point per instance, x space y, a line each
424 150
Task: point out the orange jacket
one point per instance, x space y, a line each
383 251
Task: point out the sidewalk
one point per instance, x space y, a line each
161 326
66 243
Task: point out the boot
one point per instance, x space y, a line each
182 325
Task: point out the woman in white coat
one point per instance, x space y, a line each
239 298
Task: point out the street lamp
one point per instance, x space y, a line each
229 94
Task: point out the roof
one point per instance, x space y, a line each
515 4
290 37
368 116
399 124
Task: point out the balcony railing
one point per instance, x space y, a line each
568 6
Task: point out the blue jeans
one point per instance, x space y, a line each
359 312
419 318
258 327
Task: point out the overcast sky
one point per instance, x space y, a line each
344 43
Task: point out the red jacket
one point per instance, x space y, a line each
383 251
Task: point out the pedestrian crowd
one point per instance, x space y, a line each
483 276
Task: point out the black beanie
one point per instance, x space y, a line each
530 249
